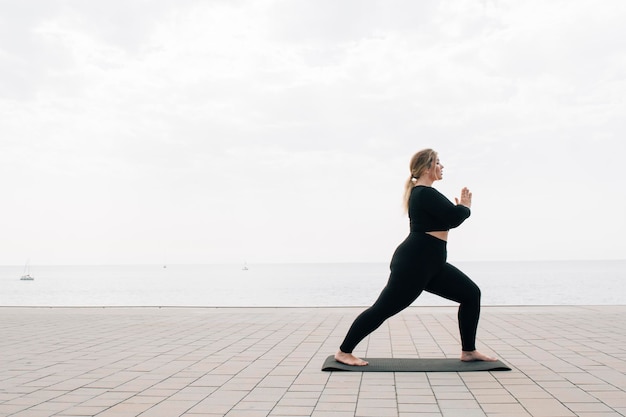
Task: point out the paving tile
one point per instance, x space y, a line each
246 413
333 406
596 407
338 398
546 408
418 408
124 409
241 362
298 402
616 413
458 404
291 411
375 412
503 409
463 413
325 413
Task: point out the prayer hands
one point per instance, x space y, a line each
466 198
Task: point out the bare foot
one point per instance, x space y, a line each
475 355
349 359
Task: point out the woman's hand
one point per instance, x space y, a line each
466 198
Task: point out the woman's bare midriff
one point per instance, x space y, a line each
443 234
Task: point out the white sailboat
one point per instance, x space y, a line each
27 276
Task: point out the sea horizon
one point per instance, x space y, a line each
248 264
306 284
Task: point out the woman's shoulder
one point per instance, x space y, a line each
425 193
424 189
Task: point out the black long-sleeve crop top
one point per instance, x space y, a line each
431 211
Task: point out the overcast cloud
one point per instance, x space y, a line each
281 130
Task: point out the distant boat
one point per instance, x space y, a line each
245 267
27 276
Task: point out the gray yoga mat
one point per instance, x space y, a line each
415 365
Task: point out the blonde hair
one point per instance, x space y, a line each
420 162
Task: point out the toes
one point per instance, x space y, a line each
350 360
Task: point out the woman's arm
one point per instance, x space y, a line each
443 209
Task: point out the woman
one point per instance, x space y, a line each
419 263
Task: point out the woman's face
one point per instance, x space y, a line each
437 172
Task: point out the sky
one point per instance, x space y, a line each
135 132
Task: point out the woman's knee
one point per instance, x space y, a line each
471 295
382 311
391 304
477 292
474 293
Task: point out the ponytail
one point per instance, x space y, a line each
408 186
420 162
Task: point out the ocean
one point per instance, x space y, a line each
303 285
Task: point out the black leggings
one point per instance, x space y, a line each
419 264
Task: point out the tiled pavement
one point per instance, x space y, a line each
249 362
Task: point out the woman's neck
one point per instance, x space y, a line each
425 183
